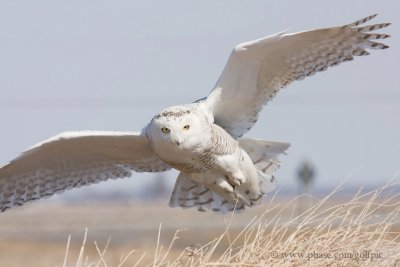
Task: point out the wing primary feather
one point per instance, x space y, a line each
376 45
372 27
361 21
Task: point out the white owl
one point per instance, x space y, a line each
219 170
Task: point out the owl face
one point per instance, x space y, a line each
178 127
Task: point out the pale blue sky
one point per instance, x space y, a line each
111 65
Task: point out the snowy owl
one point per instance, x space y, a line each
219 170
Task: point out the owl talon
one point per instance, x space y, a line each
238 179
234 181
237 182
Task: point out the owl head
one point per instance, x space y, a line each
182 127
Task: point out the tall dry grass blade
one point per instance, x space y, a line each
82 250
125 258
66 251
158 246
139 260
100 254
104 251
175 237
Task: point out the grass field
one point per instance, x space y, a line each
363 230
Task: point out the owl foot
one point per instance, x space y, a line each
236 179
225 185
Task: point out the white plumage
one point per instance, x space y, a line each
219 170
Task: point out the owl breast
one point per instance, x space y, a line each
182 159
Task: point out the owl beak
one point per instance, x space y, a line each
178 140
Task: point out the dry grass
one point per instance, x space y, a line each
363 230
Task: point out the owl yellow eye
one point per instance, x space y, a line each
186 127
165 130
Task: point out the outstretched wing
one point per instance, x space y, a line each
258 69
74 159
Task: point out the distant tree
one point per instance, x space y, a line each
306 176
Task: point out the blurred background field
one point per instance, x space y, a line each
37 234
